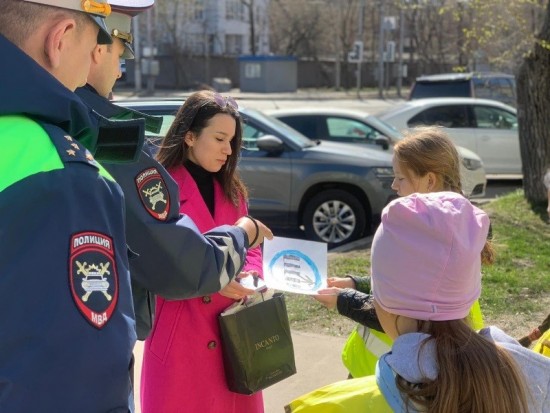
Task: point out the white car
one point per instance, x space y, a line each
353 126
487 127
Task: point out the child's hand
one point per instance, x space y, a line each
328 297
341 282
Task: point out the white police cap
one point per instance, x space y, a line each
96 9
120 20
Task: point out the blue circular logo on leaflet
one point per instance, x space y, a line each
294 273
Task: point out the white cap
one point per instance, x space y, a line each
119 22
96 9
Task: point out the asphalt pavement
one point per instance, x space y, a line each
317 363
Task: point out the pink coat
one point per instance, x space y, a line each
182 361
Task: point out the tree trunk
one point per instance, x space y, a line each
533 89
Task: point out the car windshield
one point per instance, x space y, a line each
392 111
384 128
166 111
279 126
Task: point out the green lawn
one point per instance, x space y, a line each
515 289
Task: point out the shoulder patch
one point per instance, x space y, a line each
153 193
93 276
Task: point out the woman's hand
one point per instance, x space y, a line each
235 291
328 297
341 282
255 230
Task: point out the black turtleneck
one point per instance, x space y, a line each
204 181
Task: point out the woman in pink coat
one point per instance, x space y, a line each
182 361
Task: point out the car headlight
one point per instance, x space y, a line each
472 164
384 173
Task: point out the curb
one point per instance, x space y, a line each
354 245
237 94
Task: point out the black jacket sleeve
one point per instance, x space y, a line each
359 307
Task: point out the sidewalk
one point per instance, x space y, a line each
317 363
300 94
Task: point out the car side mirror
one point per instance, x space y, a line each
270 144
383 141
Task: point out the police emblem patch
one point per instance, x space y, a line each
93 276
153 193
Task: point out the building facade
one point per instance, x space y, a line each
212 27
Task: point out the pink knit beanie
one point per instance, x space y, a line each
425 256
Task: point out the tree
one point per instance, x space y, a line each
174 17
296 28
251 18
497 33
533 85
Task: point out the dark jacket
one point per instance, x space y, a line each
67 327
173 259
357 304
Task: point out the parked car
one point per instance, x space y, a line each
486 127
483 85
353 126
336 191
122 71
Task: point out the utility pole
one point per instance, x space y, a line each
401 37
137 55
381 50
360 39
337 44
151 46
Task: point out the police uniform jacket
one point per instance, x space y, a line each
172 258
67 326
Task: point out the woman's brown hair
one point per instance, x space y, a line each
429 149
193 116
475 374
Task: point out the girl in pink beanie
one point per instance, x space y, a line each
426 275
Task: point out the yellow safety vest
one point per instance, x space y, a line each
356 395
475 317
362 350
365 346
543 344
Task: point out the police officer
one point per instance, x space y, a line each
67 326
172 258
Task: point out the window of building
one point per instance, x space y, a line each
252 70
233 44
198 13
194 43
234 10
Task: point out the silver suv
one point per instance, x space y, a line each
336 191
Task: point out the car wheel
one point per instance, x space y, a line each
335 217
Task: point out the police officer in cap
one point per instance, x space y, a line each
173 258
67 326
